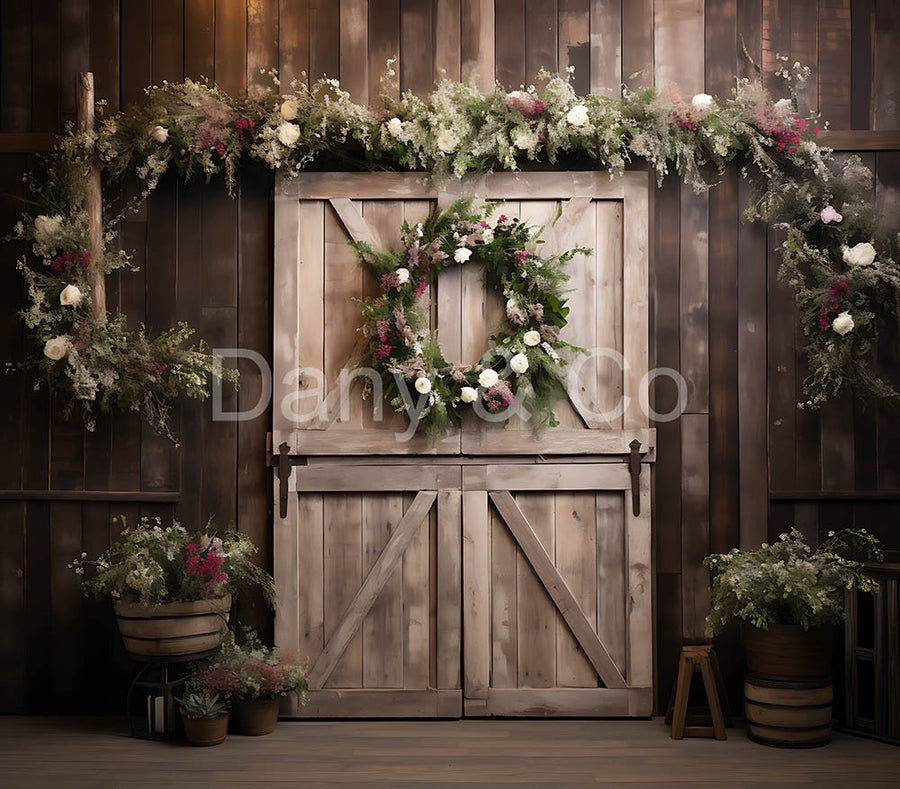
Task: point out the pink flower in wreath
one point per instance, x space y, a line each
828 214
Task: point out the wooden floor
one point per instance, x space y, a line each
92 752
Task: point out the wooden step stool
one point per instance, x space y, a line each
699 723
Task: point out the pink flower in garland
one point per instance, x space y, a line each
384 350
499 396
526 103
828 214
243 124
220 149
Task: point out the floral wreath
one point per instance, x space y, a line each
527 347
838 256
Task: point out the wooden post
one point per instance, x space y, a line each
93 201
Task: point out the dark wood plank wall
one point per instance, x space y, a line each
740 465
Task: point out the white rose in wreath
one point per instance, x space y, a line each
578 115
532 338
423 385
160 134
47 228
462 255
447 142
467 394
395 127
487 378
519 363
843 323
289 109
71 296
702 101
56 348
862 254
402 275
487 235
288 133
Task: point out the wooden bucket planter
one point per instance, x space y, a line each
788 714
255 718
173 631
206 731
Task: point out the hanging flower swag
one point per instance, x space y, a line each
527 344
837 257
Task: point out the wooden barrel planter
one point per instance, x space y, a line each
173 631
788 714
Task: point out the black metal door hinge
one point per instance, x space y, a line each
634 468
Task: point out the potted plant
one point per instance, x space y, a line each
788 598
205 718
257 676
173 589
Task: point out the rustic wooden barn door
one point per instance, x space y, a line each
369 546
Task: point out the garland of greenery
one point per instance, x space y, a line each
527 345
837 259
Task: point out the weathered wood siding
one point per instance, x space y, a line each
740 465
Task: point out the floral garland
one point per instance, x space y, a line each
527 344
197 128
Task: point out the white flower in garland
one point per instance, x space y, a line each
828 214
56 348
423 385
578 115
462 254
862 254
395 127
468 394
47 229
447 142
702 101
524 139
71 296
289 109
532 338
402 275
159 133
487 235
288 133
843 323
487 378
519 363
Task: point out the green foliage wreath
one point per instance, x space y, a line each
838 257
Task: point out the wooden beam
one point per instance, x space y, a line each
382 570
557 589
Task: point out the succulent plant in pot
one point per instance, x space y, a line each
205 718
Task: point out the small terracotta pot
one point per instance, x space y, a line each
788 651
255 717
206 731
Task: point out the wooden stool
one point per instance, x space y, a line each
698 724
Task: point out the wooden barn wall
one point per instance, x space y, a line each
740 465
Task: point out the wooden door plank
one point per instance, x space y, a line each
607 261
350 478
536 621
383 627
387 703
343 574
357 227
562 441
287 311
286 567
562 702
577 561
504 605
449 588
476 595
557 588
310 523
419 671
612 612
381 570
635 279
552 476
640 598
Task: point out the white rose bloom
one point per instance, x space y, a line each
288 133
159 133
56 348
532 338
487 235
403 275
487 378
467 394
462 255
782 103
395 127
423 385
843 323
523 139
578 115
47 228
702 101
71 296
519 363
859 255
289 109
447 142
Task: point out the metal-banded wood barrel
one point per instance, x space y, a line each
788 713
173 631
